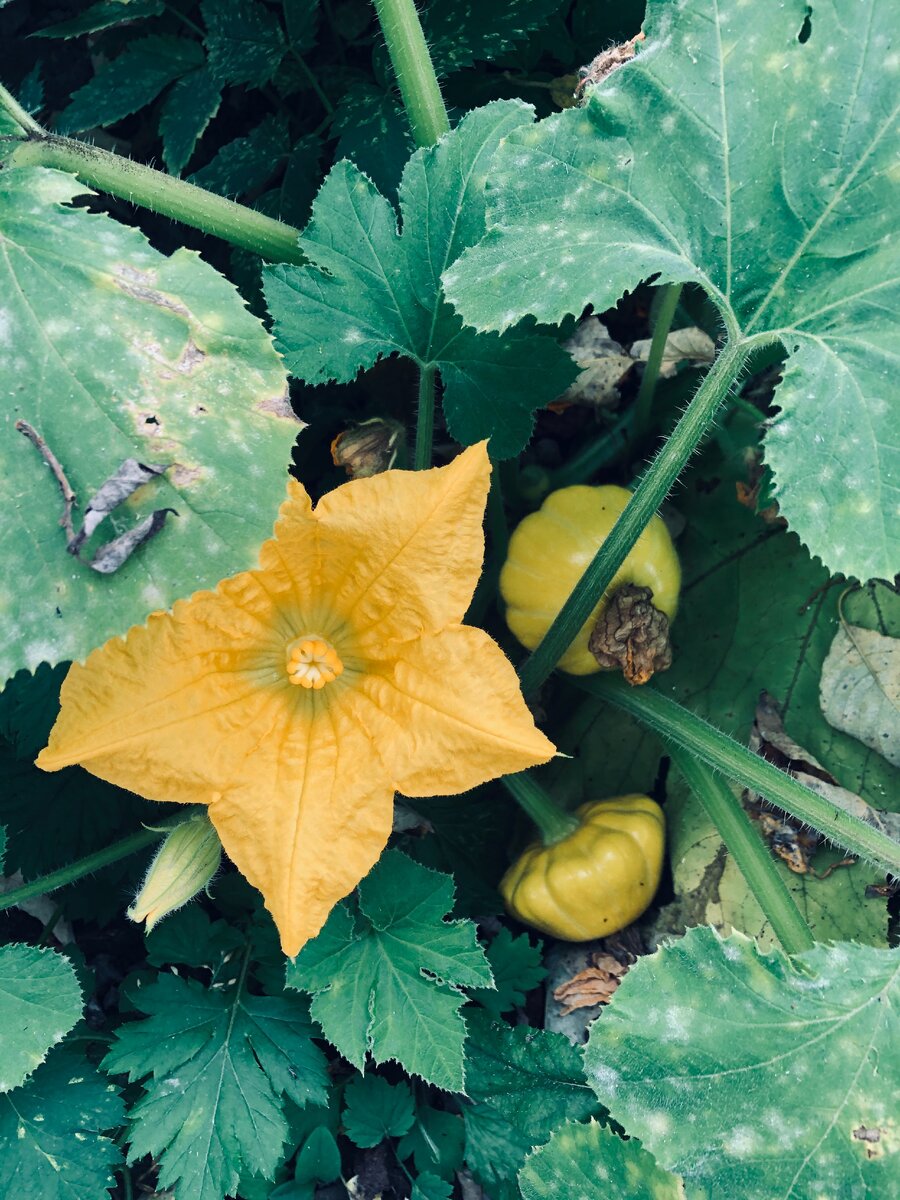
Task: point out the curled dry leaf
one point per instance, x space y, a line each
592 986
367 449
608 61
632 636
859 690
604 365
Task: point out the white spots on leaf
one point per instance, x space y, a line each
741 1142
20 1131
606 1079
6 325
353 337
668 123
658 1123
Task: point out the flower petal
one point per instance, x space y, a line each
399 554
447 714
173 710
311 823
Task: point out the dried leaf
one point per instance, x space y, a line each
859 690
682 345
113 554
124 482
604 365
591 987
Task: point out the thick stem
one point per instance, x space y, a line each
425 418
91 862
736 762
664 314
553 824
414 70
652 490
748 850
20 115
164 194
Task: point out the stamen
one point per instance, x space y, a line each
312 662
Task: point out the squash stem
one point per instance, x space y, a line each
553 823
746 847
414 70
665 312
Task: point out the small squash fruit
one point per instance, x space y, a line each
551 548
598 878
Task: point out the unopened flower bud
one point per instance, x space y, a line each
184 864
367 449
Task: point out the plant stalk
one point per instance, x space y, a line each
175 198
425 418
721 752
91 862
664 315
20 115
650 493
553 824
748 850
412 65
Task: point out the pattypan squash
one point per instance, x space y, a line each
597 878
550 550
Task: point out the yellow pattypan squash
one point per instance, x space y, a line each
550 550
598 878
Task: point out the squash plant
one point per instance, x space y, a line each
236 231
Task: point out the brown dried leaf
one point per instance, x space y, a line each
591 987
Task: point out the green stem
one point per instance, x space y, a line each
663 323
748 850
412 64
91 862
652 490
164 194
425 418
736 762
313 82
552 822
22 116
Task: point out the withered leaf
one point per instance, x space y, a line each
592 986
859 689
113 554
123 482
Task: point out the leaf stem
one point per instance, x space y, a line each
413 67
91 862
553 823
20 115
721 752
748 851
596 454
185 202
652 490
425 419
665 312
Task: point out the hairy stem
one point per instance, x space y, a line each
91 862
20 115
412 65
652 490
721 752
553 823
664 314
748 850
164 194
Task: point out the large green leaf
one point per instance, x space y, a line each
753 1077
524 1083
245 42
761 166
385 976
40 1001
188 109
592 1163
111 350
51 1133
488 30
214 1068
372 292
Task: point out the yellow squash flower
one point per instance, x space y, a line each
295 699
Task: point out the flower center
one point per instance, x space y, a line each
312 662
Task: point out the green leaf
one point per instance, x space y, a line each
133 79
490 29
214 1069
40 1001
376 1109
189 938
781 210
373 292
319 1159
111 350
29 705
248 162
590 1162
244 41
51 1131
102 15
385 974
301 17
754 1077
431 1187
373 133
524 1083
187 110
435 1142
517 967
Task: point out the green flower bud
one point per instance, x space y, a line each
184 864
